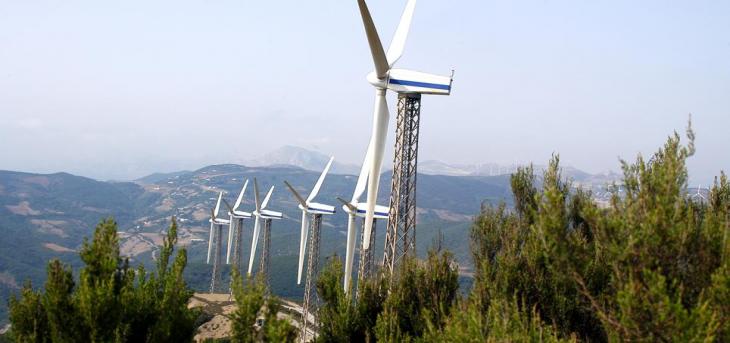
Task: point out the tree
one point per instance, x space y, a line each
648 266
112 301
254 306
422 294
28 316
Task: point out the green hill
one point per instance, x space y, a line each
47 216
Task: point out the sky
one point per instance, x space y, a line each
118 90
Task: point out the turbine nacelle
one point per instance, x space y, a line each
359 209
381 212
317 208
268 214
219 221
405 81
240 214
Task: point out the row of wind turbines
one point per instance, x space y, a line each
310 210
406 84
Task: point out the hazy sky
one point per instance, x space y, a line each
121 89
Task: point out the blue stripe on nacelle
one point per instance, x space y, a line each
378 213
320 210
420 84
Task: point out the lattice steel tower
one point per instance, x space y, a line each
310 290
215 277
366 256
237 244
266 253
400 237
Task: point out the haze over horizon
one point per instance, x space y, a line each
122 90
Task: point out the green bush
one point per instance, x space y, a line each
112 302
253 305
650 265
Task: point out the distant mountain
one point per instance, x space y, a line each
579 177
157 177
302 158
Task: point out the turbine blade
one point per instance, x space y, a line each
254 241
380 132
395 51
231 228
318 185
296 195
210 241
302 245
267 198
256 194
218 204
350 206
240 195
363 178
376 47
350 253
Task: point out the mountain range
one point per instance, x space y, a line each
45 216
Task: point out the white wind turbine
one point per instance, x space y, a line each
261 213
699 194
399 80
355 209
216 232
308 206
236 226
215 221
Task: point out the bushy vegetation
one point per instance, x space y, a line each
110 302
649 266
255 318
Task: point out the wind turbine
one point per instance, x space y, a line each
309 207
216 232
316 210
235 229
699 194
261 213
401 81
354 209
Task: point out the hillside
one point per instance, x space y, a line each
47 216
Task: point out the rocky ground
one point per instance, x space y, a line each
217 309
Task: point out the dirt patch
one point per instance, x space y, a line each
156 238
9 280
451 216
200 214
166 206
216 328
57 248
135 245
54 227
23 209
217 307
